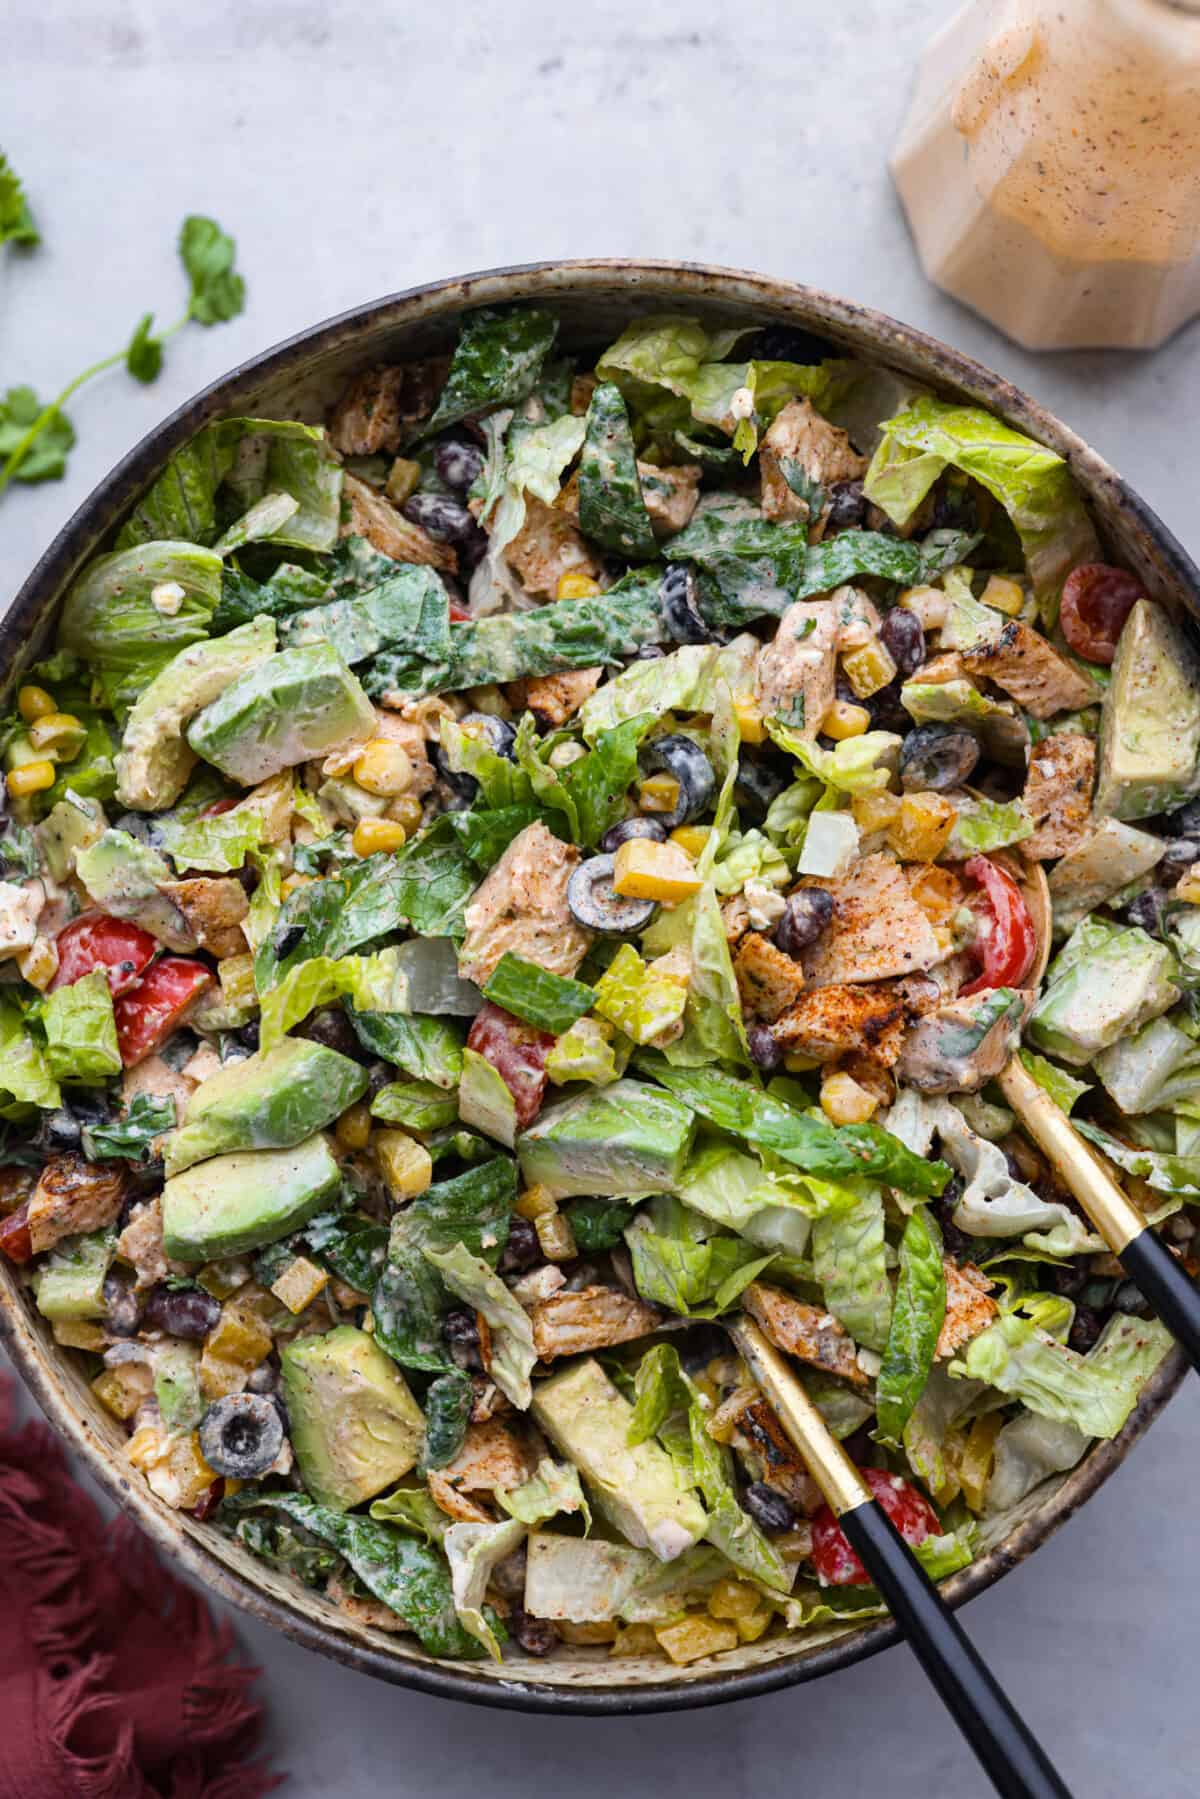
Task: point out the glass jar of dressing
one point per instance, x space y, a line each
1050 168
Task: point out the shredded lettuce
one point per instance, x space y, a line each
850 1259
585 1053
513 1354
372 983
81 1032
677 1263
640 1001
25 1077
857 765
552 1488
683 681
548 1001
918 1310
1029 1364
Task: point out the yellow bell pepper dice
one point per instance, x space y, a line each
643 869
752 727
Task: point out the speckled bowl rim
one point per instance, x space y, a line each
50 1375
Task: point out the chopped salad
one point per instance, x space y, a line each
496 883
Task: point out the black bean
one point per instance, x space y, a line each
757 783
649 652
654 828
766 1051
679 601
956 1243
807 914
522 1249
769 1509
508 1576
463 787
1085 1329
886 709
903 639
330 1027
247 1035
791 343
458 461
954 507
1183 823
461 1332
682 757
596 904
1178 857
847 506
1129 1298
57 1131
440 517
263 1379
1146 910
185 1312
122 1307
241 1435
936 757
1069 1280
537 1636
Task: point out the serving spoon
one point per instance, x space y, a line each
1167 1289
1003 1744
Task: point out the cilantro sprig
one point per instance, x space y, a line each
36 439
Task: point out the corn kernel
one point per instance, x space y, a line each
795 1063
874 811
1004 594
123 1389
658 793
690 838
79 1333
384 769
844 720
1188 888
406 811
843 1101
374 834
403 480
39 963
584 1636
173 1466
353 1128
732 1599
58 734
293 883
938 892
975 1468
868 669
922 827
536 1202
555 1237
299 1284
696 1636
930 604
35 702
635 1639
33 777
643 869
752 727
405 1164
751 1627
576 587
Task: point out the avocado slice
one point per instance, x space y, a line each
1105 982
242 1201
636 1488
122 875
1149 720
70 1283
154 761
73 824
355 1426
624 1140
177 1384
294 706
1110 858
271 1100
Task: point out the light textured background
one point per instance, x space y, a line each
354 149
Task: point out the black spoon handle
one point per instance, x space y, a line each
1007 1751
1167 1288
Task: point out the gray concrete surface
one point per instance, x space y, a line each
354 149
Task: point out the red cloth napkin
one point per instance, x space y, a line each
114 1678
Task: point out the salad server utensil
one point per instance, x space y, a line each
1167 1288
1003 1744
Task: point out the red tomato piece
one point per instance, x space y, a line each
1007 941
15 1240
207 1504
459 614
909 1510
219 806
149 1012
517 1051
1096 601
98 941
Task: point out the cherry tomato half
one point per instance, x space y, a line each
517 1051
98 941
1096 601
1006 941
15 1240
148 1013
459 614
909 1510
219 806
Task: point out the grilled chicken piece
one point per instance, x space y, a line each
73 1196
769 982
958 1047
547 547
800 435
1058 795
839 1020
375 408
877 931
593 1318
214 907
490 1457
796 677
968 1307
804 1331
554 698
141 1245
670 495
371 1612
1025 665
376 519
522 906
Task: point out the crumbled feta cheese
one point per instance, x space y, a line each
741 406
167 597
541 1283
563 754
766 904
870 1362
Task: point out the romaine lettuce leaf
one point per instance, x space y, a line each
81 1032
532 993
485 1099
857 765
429 1049
513 1354
640 1002
1164 1172
585 1053
412 1508
678 1265
612 511
110 621
25 1079
994 1203
447 1409
685 680
552 1488
417 1105
472 1551
918 1310
129 1137
214 845
667 351
409 611
1153 1068
280 1546
735 1190
496 362
714 1029
850 1259
371 982
1027 1363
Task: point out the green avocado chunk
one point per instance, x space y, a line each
296 705
1149 720
122 877
271 1100
623 1140
154 761
355 1426
70 1283
637 1487
1106 981
238 1202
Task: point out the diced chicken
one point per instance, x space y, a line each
20 908
554 698
796 677
548 546
762 1442
73 1196
376 519
411 738
835 1021
490 1458
593 1318
456 1505
1027 666
214 907
522 906
960 1046
271 800
949 666
877 930
372 413
488 1401
735 917
769 982
822 452
969 1310
670 495
857 615
371 1612
804 1331
141 1245
1058 794
582 389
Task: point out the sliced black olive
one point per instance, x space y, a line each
287 938
499 733
633 827
241 1435
805 917
680 757
934 758
595 905
756 785
679 599
57 1131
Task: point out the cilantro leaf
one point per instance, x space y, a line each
218 292
144 356
16 220
46 457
